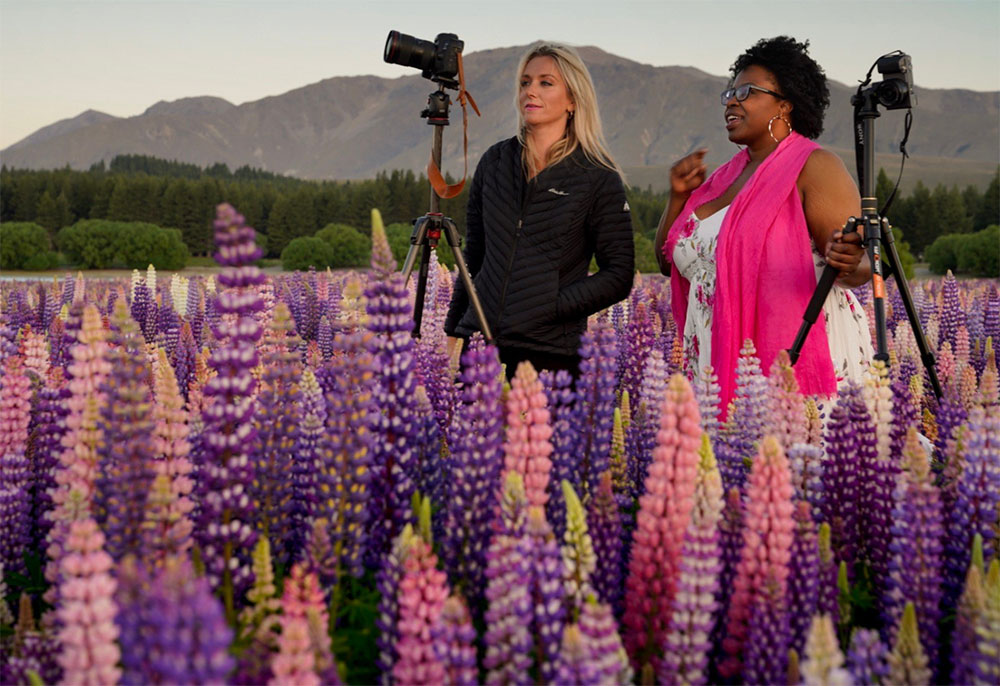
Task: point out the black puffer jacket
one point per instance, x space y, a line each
529 244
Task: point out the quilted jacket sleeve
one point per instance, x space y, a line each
610 227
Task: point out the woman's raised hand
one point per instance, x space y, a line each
688 172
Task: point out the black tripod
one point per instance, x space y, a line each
877 233
427 229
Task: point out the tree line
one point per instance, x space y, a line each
139 188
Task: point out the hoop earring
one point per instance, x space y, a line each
770 124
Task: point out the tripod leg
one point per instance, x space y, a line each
418 239
873 240
926 354
452 234
418 302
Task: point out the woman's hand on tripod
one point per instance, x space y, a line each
845 253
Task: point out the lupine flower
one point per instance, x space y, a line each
307 466
224 528
562 408
387 620
31 649
183 359
664 514
599 629
259 621
172 627
749 404
616 459
126 456
595 398
15 475
475 439
508 636
968 618
422 593
528 444
785 404
803 577
730 550
578 552
637 344
36 354
907 661
453 639
985 663
685 659
605 525
640 438
823 663
575 663
394 461
706 388
551 584
87 608
48 426
915 566
762 576
866 658
303 656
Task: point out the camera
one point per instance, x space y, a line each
438 61
895 92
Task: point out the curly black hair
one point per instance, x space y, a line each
799 78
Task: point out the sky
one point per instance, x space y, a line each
60 58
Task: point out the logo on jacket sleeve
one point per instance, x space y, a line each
626 208
557 192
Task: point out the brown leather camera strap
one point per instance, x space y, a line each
443 189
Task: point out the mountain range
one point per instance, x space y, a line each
354 127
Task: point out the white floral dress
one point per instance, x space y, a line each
846 321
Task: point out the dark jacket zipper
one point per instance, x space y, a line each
528 192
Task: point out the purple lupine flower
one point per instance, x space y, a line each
640 438
969 614
224 527
599 629
575 663
183 359
324 336
276 422
394 460
686 647
546 589
829 592
126 454
509 615
434 374
307 466
31 650
15 475
454 642
844 470
637 342
144 312
766 649
387 620
807 464
431 469
173 630
803 577
950 415
951 311
68 290
977 498
605 525
730 548
475 438
346 448
748 416
48 426
706 389
915 565
866 658
595 398
562 406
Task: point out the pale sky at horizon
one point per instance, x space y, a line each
60 58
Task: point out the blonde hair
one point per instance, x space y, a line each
583 129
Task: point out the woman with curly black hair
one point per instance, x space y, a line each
749 242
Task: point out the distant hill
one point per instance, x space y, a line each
353 127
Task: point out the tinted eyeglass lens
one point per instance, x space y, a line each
741 93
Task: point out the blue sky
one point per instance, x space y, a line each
59 58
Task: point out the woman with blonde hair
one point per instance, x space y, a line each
541 205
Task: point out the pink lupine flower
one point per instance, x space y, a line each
528 444
87 609
15 406
422 593
785 404
767 542
35 348
664 515
303 657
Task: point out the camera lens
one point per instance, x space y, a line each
892 93
408 51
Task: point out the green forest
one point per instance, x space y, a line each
175 195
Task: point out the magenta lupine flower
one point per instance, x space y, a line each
595 405
394 460
803 577
528 444
276 421
422 593
87 608
454 644
686 648
762 575
605 525
126 455
224 529
78 462
172 629
475 440
562 407
663 518
915 565
15 476
866 658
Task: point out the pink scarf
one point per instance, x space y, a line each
760 293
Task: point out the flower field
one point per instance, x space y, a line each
247 480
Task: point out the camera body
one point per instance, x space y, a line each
895 92
437 61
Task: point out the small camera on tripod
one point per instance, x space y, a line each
438 61
895 92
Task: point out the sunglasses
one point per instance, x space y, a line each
743 92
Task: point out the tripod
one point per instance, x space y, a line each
427 229
877 235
